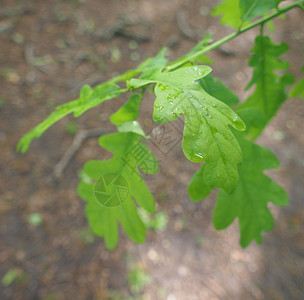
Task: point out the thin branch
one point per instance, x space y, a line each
79 138
186 59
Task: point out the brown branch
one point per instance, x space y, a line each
79 138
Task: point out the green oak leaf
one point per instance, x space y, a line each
88 98
116 182
218 90
207 136
150 63
250 9
230 12
132 126
298 89
249 201
197 188
91 97
128 112
270 88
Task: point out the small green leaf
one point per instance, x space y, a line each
128 112
298 89
131 126
230 11
138 279
13 275
250 9
198 189
249 201
157 222
270 88
88 98
116 182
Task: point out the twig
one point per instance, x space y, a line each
71 151
186 58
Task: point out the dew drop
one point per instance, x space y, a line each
199 155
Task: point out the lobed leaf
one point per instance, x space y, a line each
250 9
197 188
207 136
270 88
249 201
128 112
116 182
88 98
218 90
230 12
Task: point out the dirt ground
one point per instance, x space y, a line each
48 50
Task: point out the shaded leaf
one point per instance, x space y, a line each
230 12
116 183
269 91
298 89
128 112
250 9
249 201
198 189
218 90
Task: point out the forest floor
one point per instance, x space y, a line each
48 50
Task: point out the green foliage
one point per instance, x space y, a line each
230 11
254 8
254 190
298 89
236 13
138 278
13 275
249 201
158 222
109 198
207 136
88 98
214 134
270 88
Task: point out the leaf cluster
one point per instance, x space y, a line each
219 133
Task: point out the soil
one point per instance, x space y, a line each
48 50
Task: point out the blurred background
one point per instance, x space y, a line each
48 50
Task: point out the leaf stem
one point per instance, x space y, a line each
180 62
